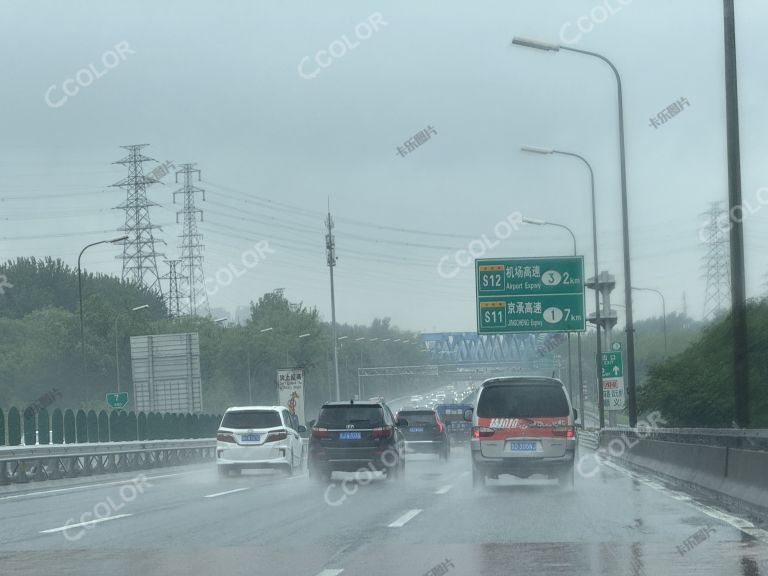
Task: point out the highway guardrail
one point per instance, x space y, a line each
19 464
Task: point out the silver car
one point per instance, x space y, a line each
522 426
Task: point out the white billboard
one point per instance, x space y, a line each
290 391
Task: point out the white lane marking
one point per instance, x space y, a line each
299 476
84 486
400 522
739 523
217 494
444 489
81 524
330 572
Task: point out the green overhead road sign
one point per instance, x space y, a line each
117 399
613 379
530 295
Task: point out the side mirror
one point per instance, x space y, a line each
401 423
468 415
302 430
311 424
575 414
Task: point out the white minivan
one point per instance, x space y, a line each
258 437
522 425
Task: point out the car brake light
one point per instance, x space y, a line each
566 431
320 433
382 432
482 432
439 424
222 436
276 435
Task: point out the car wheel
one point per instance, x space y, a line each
223 471
565 478
478 477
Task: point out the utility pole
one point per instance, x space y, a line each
139 255
738 284
330 246
191 247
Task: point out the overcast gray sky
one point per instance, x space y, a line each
218 83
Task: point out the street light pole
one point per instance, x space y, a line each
598 347
663 312
537 222
630 327
80 298
117 350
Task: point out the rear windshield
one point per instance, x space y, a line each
421 417
451 413
251 419
522 401
356 416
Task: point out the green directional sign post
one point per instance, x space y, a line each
530 295
117 399
614 396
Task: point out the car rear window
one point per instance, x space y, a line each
357 416
251 419
522 401
420 417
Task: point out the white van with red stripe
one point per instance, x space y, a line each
523 425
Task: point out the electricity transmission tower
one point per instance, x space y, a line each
139 255
717 265
196 298
174 297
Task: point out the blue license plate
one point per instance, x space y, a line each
250 437
522 446
416 429
350 436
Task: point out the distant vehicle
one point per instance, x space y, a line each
523 426
452 415
258 437
350 436
424 432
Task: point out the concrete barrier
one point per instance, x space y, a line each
734 475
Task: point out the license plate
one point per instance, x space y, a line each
522 446
416 429
250 437
350 436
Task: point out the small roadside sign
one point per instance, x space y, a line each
614 397
117 399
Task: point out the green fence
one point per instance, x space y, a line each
39 427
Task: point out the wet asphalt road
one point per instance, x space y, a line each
187 521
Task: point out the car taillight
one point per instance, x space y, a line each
276 435
482 432
222 436
566 431
320 433
440 427
382 432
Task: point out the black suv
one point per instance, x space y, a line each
352 436
424 432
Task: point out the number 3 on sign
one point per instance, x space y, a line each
553 315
